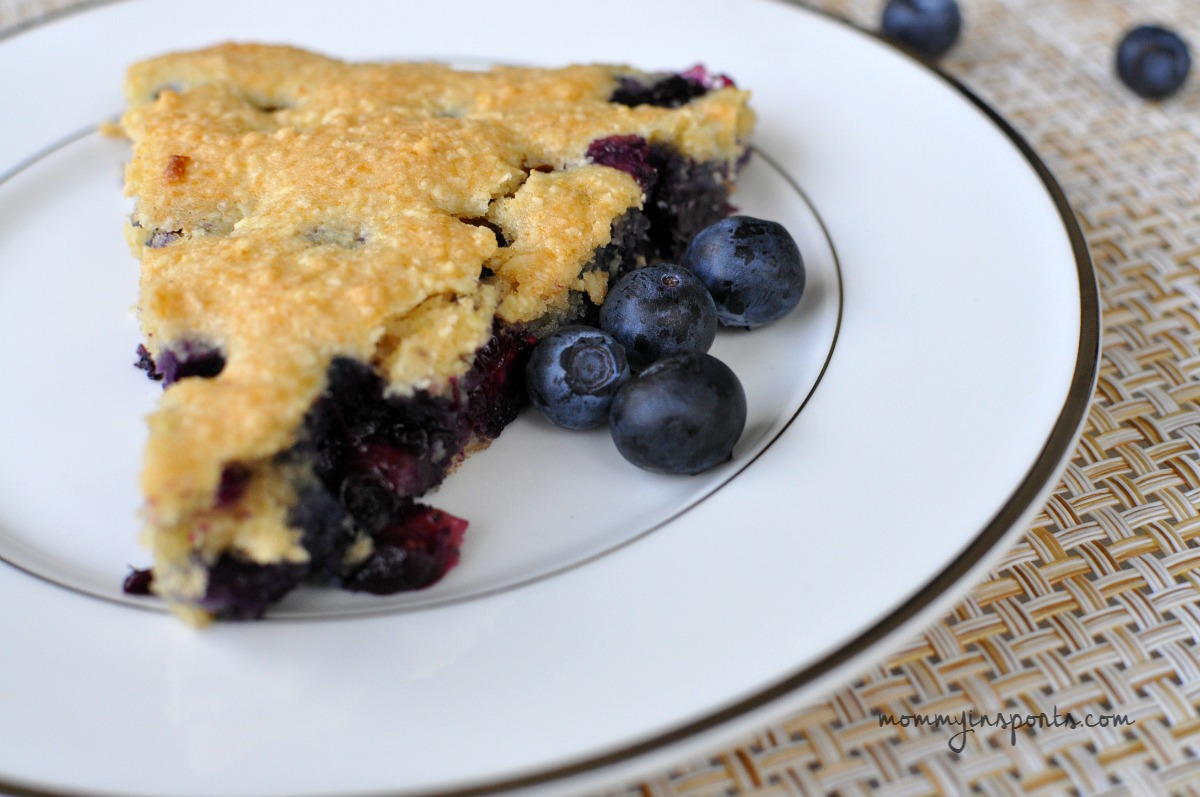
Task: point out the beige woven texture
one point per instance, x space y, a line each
1096 612
14 13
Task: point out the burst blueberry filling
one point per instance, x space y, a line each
668 90
375 452
160 238
179 361
372 455
683 196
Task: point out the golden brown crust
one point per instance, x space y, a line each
291 208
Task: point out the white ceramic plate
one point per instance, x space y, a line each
905 422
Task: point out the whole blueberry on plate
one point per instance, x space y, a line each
682 415
751 267
1153 61
928 27
659 310
573 375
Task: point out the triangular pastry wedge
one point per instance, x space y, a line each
343 267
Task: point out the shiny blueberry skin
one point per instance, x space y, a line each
573 375
928 27
659 310
682 415
1153 61
752 268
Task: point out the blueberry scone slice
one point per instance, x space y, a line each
343 268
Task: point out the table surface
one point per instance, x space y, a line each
1096 611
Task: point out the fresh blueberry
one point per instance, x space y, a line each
573 375
752 268
659 310
928 27
1153 61
682 415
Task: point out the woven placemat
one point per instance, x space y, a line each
1094 617
16 13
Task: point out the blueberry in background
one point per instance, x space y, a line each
751 267
682 415
1153 61
573 375
928 27
659 310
